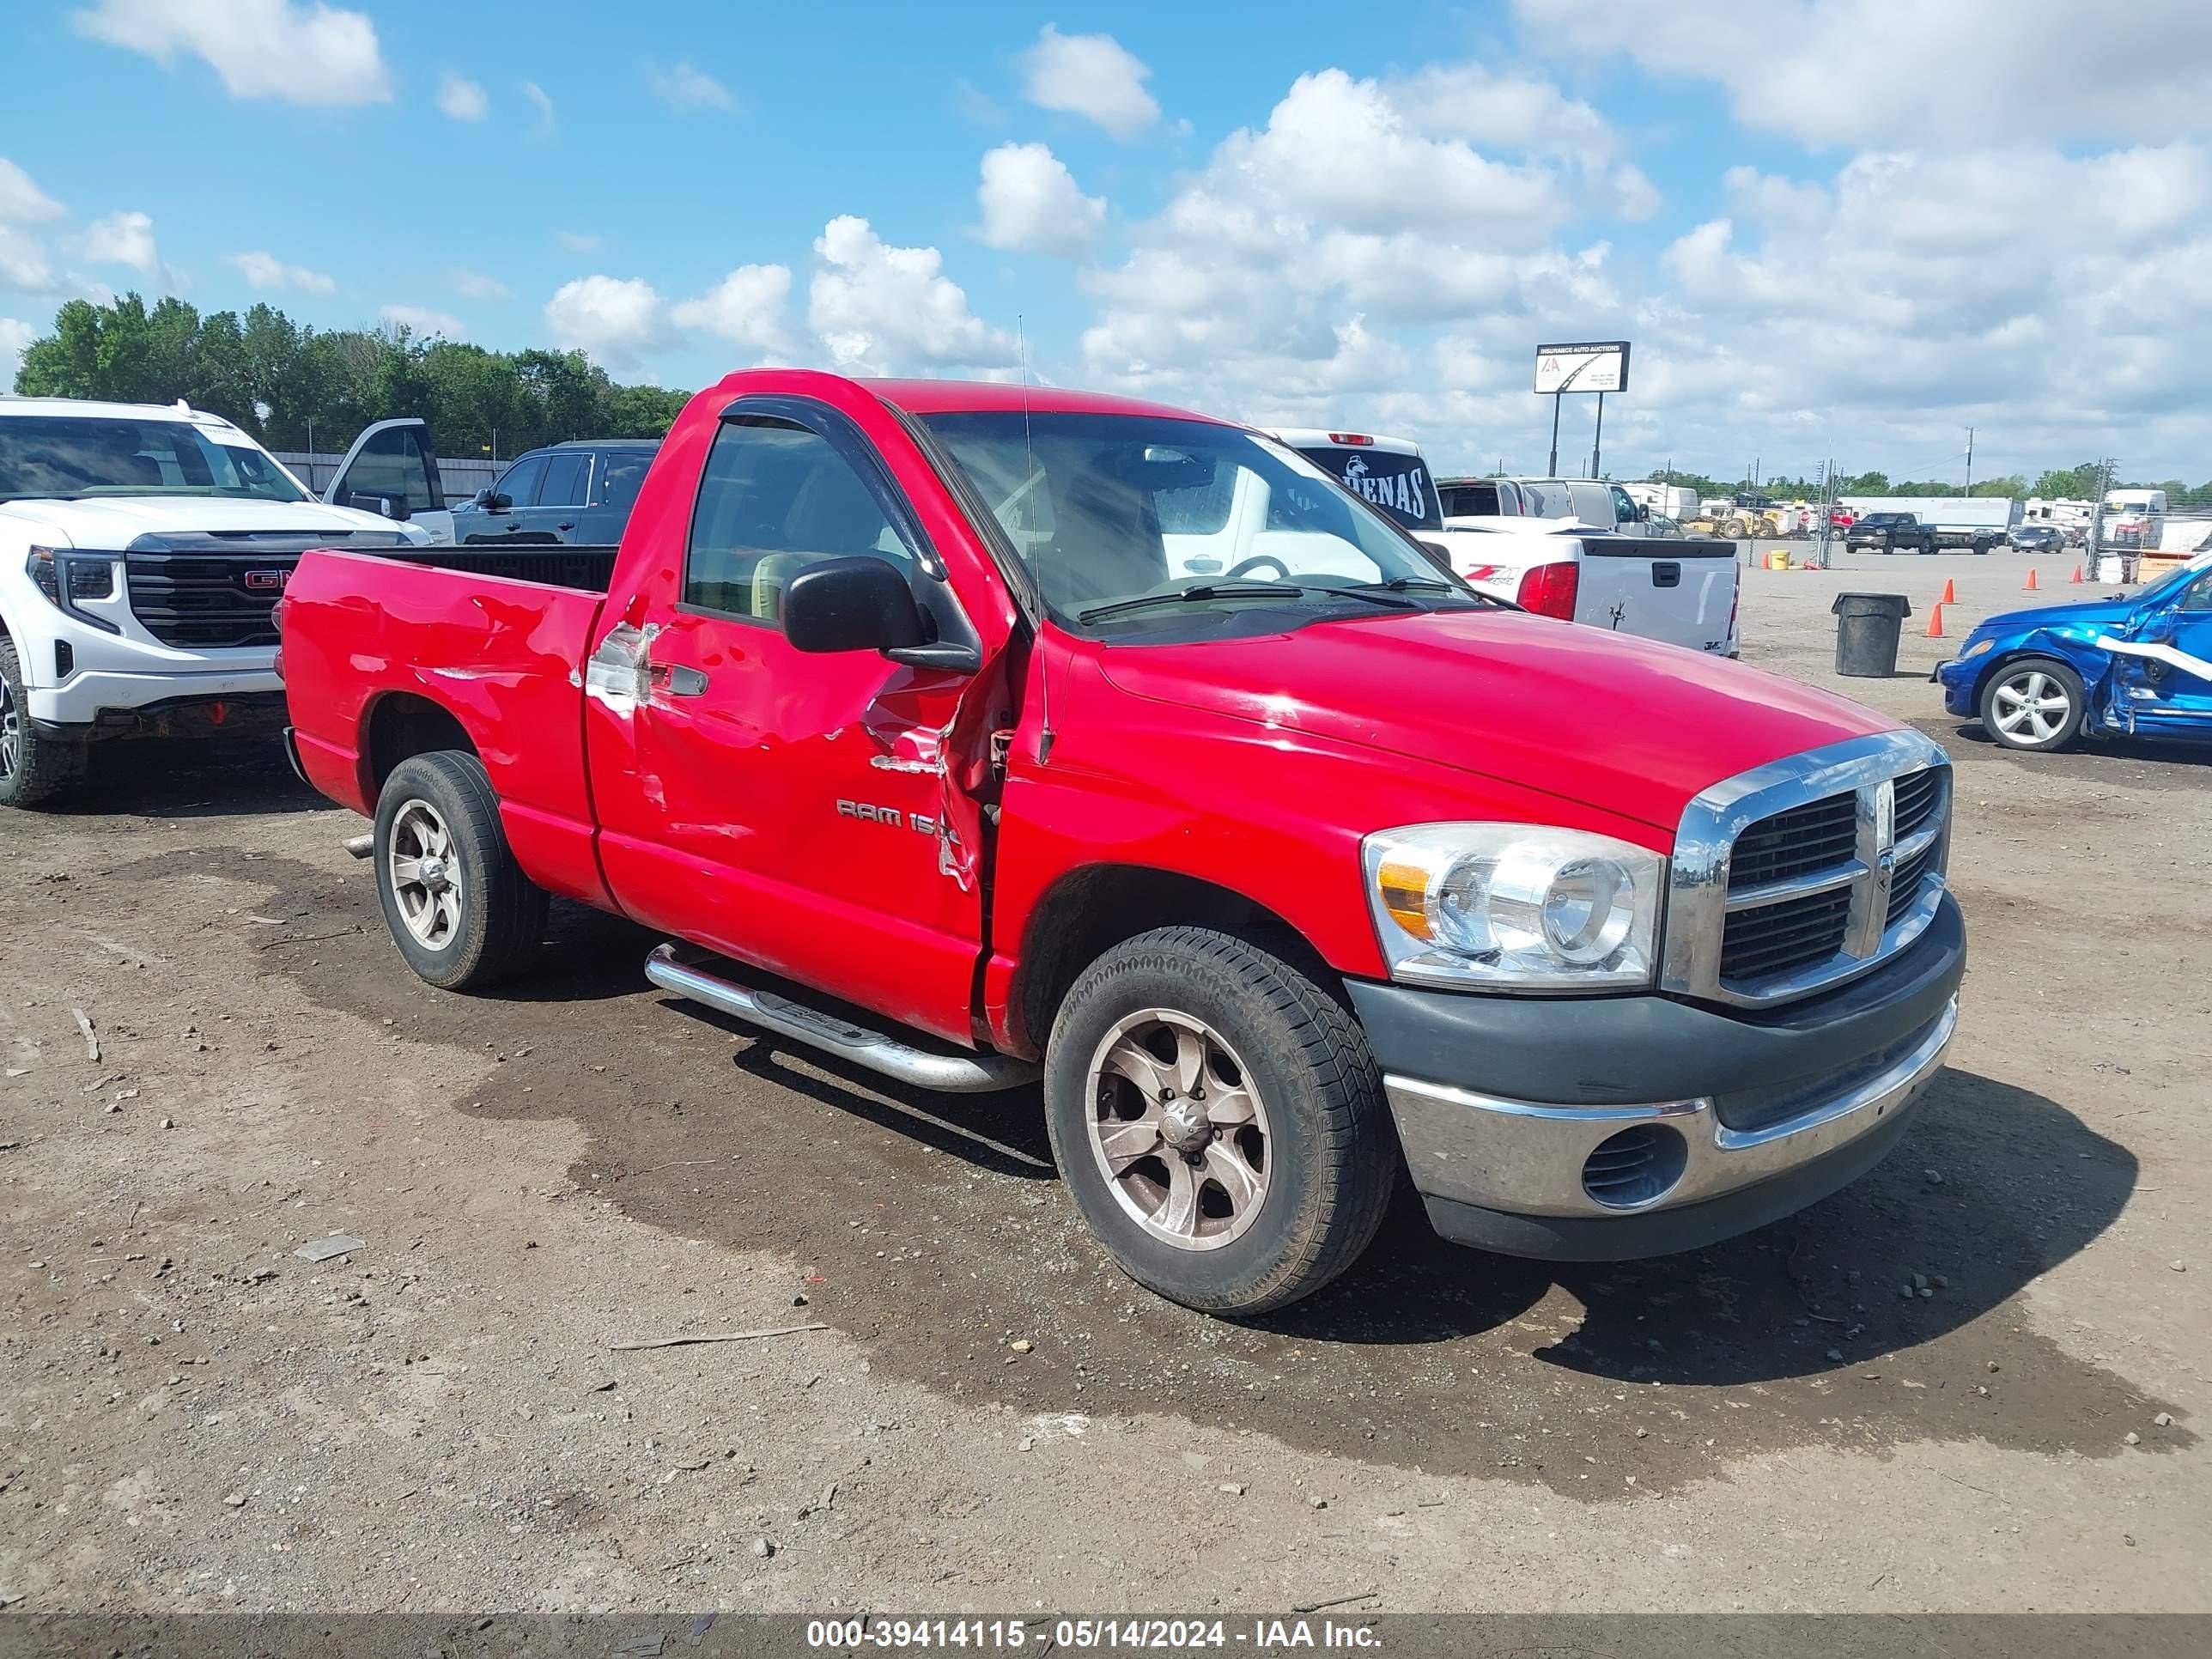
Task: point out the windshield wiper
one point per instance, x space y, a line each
1420 585
1198 595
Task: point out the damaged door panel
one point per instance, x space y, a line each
760 779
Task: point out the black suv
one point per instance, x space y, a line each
579 493
1890 533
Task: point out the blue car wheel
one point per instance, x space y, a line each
2034 703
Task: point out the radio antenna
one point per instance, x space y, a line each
1028 516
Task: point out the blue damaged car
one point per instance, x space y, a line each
2137 664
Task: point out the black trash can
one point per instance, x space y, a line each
1866 632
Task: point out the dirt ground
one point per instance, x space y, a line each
992 1418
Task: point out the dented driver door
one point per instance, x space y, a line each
804 813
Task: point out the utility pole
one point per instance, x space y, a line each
1970 460
1598 441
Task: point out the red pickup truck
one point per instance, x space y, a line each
1282 877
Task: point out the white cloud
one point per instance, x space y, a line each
463 100
312 53
15 339
23 263
580 241
614 319
1961 73
122 238
22 201
263 270
1289 278
878 309
475 285
682 87
1879 312
422 321
1090 75
1031 202
542 101
746 308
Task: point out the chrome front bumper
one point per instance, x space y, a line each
1531 1159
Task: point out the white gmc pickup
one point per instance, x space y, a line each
142 551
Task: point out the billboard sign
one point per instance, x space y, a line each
1583 366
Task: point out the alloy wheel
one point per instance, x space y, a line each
425 877
1179 1129
2032 706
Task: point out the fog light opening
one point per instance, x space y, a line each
1636 1167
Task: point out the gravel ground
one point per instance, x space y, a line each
990 1416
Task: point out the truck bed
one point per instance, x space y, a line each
588 568
371 641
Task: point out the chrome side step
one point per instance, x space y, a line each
958 1074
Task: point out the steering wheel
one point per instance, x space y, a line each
1246 566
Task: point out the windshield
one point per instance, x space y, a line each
1205 519
2173 581
70 456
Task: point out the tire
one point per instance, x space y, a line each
2008 683
1296 1063
469 918
36 770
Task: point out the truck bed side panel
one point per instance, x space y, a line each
499 655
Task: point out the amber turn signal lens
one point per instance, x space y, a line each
1405 896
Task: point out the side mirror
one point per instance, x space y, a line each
1642 513
391 503
857 603
1439 554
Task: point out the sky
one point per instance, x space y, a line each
1832 229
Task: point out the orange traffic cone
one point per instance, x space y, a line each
1950 594
2031 580
2077 574
1935 619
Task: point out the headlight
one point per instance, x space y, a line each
1513 906
1976 650
65 577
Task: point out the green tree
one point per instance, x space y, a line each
321 386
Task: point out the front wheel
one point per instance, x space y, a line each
458 905
36 769
1220 1121
2035 704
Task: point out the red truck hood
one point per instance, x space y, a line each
1619 723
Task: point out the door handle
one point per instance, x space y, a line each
1666 574
569 523
678 681
514 524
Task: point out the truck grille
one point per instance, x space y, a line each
1776 937
201 602
217 590
1791 844
1808 872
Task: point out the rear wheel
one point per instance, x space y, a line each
457 904
36 769
1220 1121
2035 703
